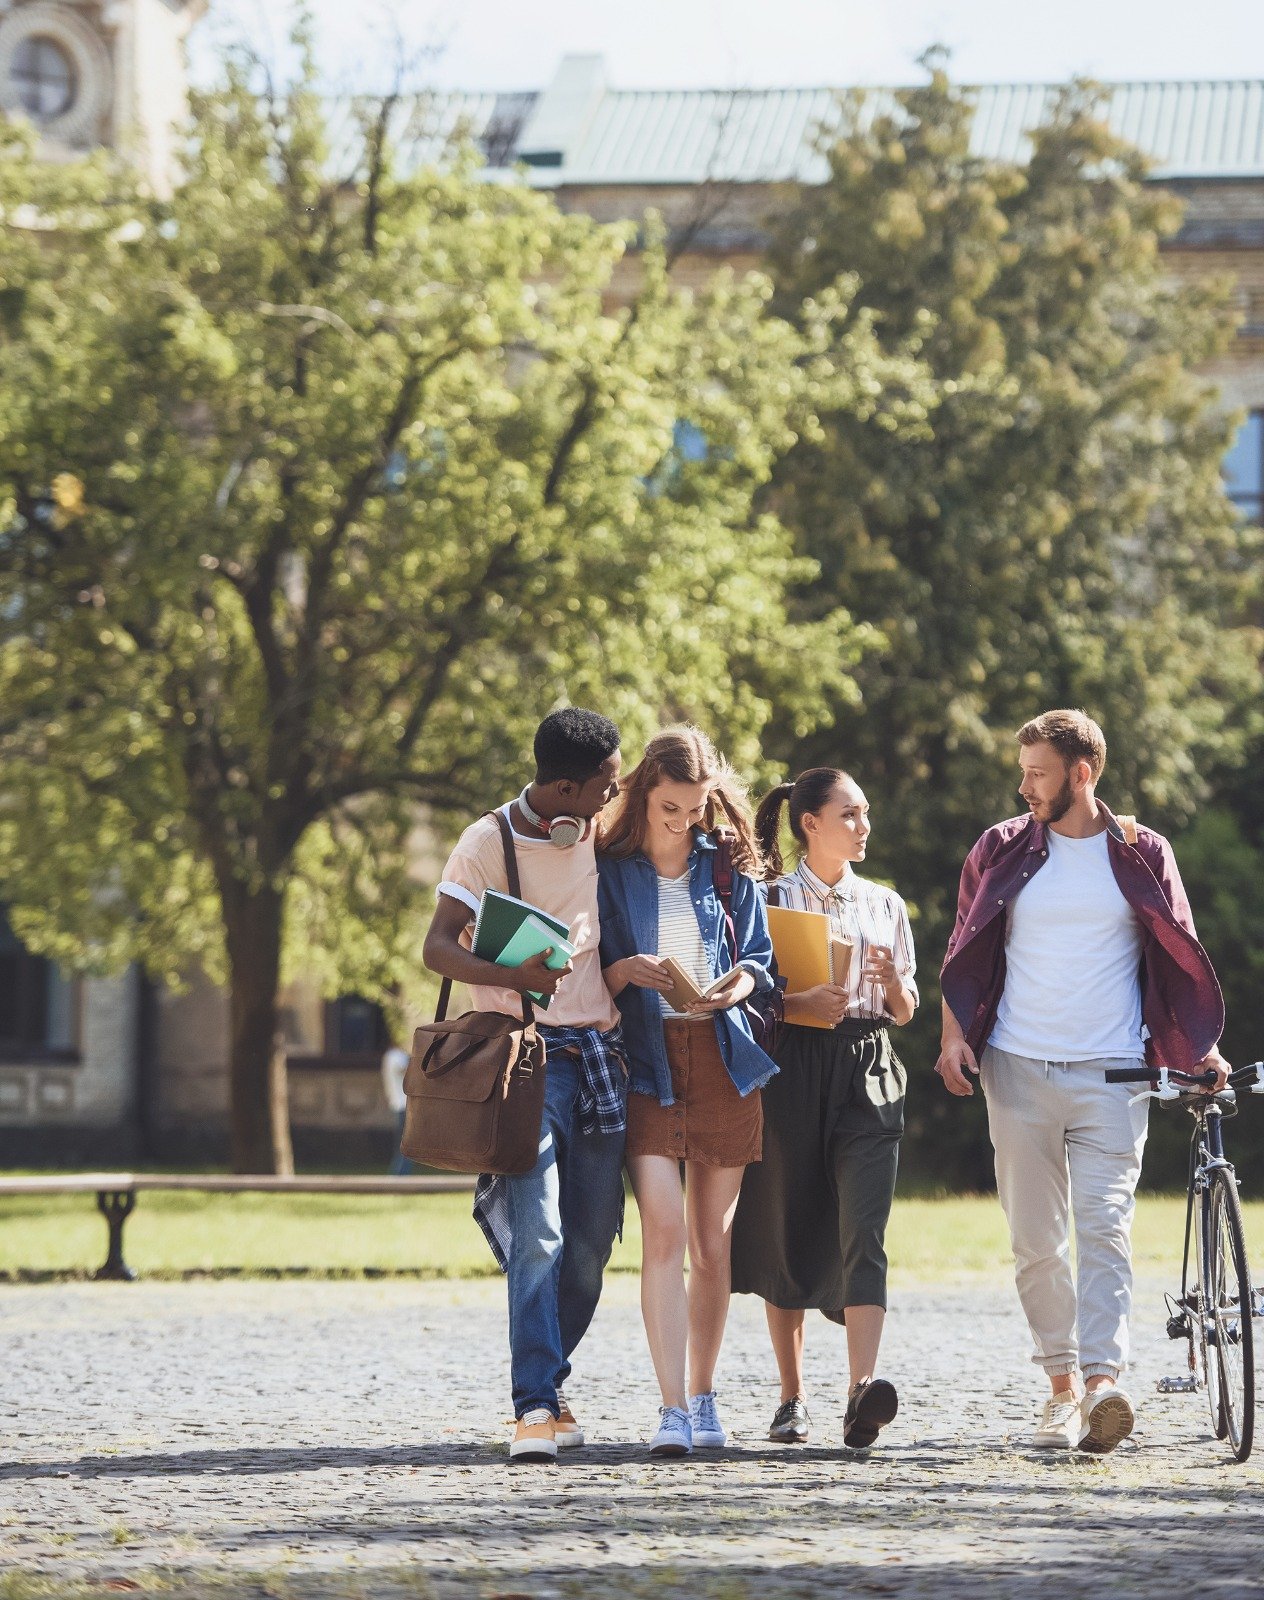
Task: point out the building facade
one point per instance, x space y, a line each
108 1069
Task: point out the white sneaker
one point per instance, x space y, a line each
1060 1423
1106 1419
675 1435
704 1419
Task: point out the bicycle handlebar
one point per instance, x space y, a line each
1188 1080
1251 1077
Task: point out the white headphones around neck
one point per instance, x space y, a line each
564 832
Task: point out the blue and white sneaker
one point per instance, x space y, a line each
704 1419
674 1436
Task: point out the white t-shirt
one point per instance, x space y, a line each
679 935
394 1066
1073 958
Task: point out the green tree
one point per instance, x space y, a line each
1057 534
322 480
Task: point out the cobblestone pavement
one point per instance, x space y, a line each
321 1439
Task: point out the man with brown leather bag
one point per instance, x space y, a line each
552 1228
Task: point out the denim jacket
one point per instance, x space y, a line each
627 895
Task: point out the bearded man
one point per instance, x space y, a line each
1074 950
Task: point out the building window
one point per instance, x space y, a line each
44 77
37 1013
1244 468
355 1027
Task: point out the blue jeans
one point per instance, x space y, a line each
563 1215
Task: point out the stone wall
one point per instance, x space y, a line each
81 1109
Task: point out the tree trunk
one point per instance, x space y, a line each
259 1117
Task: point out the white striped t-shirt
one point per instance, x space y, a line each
679 935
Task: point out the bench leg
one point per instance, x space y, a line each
115 1206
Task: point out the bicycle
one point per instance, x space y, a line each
1215 1313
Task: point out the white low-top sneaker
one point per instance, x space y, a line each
675 1435
704 1419
1060 1423
1106 1419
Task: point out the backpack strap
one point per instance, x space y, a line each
722 877
1129 825
773 893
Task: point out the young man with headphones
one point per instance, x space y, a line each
552 1229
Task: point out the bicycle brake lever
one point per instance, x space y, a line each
1167 1090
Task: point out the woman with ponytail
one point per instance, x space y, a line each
694 1074
812 1216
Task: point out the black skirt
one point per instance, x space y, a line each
811 1220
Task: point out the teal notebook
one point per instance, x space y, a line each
532 937
510 931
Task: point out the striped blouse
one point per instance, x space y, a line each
679 935
866 913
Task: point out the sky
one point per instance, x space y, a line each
516 44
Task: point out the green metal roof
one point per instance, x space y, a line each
580 131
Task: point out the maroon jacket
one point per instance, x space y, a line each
1181 1003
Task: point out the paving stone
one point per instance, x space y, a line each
327 1439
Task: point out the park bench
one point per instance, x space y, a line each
116 1194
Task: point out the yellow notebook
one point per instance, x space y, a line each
801 944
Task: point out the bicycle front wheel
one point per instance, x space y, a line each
1228 1305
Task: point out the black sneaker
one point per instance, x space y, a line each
870 1406
790 1425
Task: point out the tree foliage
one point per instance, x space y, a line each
322 480
1058 533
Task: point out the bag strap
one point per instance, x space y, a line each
773 892
511 854
1129 826
515 888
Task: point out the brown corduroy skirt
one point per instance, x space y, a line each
710 1121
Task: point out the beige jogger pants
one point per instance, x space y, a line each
1068 1144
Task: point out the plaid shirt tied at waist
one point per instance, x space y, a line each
602 1109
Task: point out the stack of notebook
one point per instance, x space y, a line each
808 952
510 931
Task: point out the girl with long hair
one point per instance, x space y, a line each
694 1073
811 1222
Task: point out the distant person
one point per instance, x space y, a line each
1073 951
394 1066
552 1229
811 1223
695 1069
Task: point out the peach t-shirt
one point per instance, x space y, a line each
561 882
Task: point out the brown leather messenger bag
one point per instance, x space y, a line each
475 1084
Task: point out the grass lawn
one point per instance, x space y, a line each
174 1235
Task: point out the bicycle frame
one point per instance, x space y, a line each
1206 1155
1216 1311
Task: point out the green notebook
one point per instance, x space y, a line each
509 931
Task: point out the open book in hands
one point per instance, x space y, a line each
685 991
